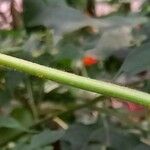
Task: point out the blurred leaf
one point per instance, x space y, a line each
23 116
10 41
63 63
77 136
13 80
60 95
27 147
146 8
32 43
93 137
11 123
145 30
73 45
46 148
80 4
4 97
42 140
114 138
77 35
44 59
62 18
137 60
55 14
142 146
114 40
8 133
46 137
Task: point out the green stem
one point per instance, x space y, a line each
105 88
31 100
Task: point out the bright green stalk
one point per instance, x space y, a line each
101 87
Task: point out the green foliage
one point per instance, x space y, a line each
138 60
63 19
96 136
6 122
59 34
41 140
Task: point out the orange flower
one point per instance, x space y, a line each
89 60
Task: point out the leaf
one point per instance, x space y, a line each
54 14
80 4
44 59
23 116
62 18
77 136
137 61
73 45
9 128
4 97
13 80
114 138
41 141
142 146
11 123
27 147
32 43
96 136
44 138
114 40
47 148
10 41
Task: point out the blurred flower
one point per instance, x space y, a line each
128 105
134 107
89 60
116 104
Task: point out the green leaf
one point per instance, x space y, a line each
114 138
114 40
32 43
10 41
23 116
11 123
77 136
54 14
44 138
96 136
4 97
13 80
28 147
41 141
62 18
44 59
137 61
80 4
142 146
73 45
46 148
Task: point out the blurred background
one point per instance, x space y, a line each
101 39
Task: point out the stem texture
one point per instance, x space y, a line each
101 87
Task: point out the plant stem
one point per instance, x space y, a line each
31 100
101 87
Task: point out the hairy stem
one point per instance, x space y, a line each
101 87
